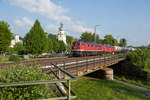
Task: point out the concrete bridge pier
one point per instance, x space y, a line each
106 73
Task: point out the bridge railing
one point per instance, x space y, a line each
75 66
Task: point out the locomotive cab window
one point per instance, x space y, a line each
78 44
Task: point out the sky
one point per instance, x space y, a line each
128 19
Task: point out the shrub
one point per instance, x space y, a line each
19 48
138 57
3 58
21 73
14 58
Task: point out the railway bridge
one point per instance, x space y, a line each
67 70
84 65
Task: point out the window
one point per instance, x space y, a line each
78 44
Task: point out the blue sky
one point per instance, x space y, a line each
128 19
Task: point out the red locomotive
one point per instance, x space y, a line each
81 48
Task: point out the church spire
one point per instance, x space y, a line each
61 28
62 33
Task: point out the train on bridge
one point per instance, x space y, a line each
80 48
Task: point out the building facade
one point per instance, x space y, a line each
15 40
62 34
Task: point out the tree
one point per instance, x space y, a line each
109 39
62 46
50 46
69 39
69 48
5 36
36 41
89 37
148 46
56 47
138 57
52 37
86 36
123 42
19 48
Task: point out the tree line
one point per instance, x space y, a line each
108 39
37 41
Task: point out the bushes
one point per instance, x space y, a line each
3 58
14 58
21 73
138 58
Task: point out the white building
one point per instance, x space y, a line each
62 34
15 40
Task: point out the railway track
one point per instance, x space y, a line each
59 61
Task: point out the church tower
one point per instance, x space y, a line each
62 33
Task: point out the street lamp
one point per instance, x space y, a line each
95 31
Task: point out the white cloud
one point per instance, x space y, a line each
27 21
80 28
48 9
22 26
44 8
51 28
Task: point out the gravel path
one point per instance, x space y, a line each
145 90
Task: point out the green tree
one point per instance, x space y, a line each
138 57
36 41
69 48
89 37
69 39
109 39
5 36
148 46
56 47
50 46
86 36
123 42
52 37
19 48
62 46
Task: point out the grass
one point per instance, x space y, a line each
96 89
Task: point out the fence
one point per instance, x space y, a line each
69 94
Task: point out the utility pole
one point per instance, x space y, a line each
95 31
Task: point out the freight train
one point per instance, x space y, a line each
81 48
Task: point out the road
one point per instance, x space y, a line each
145 90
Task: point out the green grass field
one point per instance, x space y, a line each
97 89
